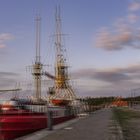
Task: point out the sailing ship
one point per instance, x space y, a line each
19 117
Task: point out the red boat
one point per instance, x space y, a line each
20 117
16 122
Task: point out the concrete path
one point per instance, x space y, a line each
94 127
38 135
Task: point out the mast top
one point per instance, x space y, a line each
38 22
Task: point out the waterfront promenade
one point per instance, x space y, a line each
95 126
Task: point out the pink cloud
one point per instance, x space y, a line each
133 18
2 45
4 37
114 40
123 33
134 6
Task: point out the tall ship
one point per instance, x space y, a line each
19 117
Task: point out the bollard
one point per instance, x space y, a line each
50 120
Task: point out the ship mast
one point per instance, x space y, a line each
62 90
37 66
60 68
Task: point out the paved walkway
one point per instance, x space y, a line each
94 127
38 135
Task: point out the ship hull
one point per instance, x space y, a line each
13 126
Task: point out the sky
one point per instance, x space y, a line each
102 43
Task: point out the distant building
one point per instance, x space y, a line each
119 103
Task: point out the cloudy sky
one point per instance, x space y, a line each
102 42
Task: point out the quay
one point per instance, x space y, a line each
93 126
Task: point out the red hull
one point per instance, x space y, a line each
16 125
60 102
